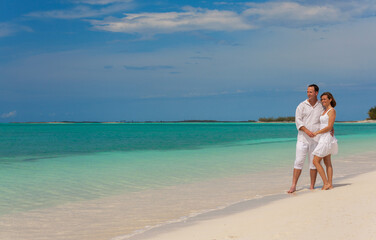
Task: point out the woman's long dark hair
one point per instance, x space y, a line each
333 103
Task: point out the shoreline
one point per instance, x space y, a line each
70 227
236 220
256 202
343 171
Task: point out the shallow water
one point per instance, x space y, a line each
99 181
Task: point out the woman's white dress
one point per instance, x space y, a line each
327 143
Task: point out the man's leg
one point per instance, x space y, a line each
312 167
301 154
295 178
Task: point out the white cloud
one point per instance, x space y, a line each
255 15
277 13
8 29
9 115
168 22
296 14
80 11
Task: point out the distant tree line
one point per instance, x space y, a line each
279 119
372 113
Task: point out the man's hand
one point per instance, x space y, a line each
332 132
309 133
304 129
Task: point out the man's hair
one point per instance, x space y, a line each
314 86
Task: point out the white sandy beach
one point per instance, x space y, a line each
346 212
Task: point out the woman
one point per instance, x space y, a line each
327 144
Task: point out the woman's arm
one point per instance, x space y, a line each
332 118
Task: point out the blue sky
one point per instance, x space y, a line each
111 60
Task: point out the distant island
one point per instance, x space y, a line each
125 121
279 119
260 120
290 119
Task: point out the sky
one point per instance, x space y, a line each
137 60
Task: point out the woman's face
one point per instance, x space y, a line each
325 101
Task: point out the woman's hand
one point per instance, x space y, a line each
314 134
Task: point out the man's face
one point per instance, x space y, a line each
311 93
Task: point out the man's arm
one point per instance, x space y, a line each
299 121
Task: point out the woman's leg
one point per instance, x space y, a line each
329 169
320 170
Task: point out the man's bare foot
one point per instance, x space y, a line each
292 189
327 187
312 188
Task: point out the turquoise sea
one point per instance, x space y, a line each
56 178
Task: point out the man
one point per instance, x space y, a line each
307 120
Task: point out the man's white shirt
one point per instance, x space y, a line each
308 116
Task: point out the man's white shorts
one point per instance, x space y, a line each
302 151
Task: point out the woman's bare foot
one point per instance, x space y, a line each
327 187
292 189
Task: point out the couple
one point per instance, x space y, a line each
315 119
